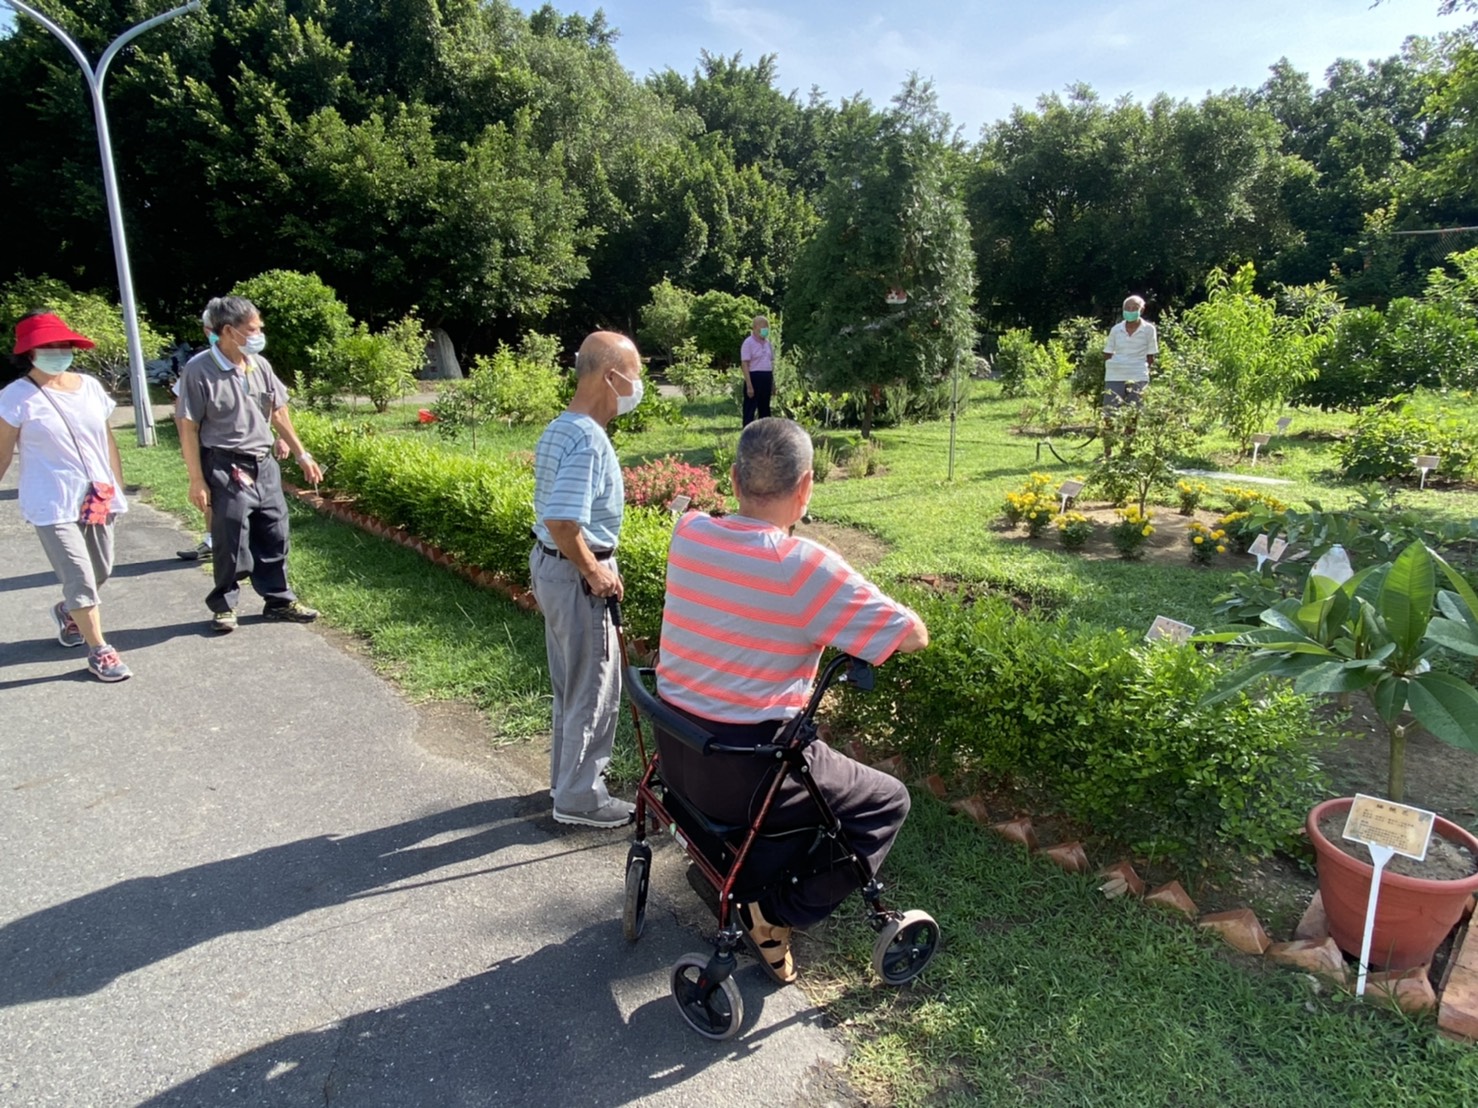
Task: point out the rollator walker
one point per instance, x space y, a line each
744 861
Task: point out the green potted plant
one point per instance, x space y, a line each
1377 632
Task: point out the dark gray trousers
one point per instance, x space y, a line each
870 805
248 529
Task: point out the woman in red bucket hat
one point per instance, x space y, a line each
71 476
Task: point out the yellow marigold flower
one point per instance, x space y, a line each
1221 550
1147 531
1198 540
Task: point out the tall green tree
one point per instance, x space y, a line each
1078 203
889 221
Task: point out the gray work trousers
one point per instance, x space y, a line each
585 673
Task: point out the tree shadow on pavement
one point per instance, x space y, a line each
542 1028
80 946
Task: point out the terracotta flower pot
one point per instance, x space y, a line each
1413 914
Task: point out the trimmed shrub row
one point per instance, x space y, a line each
1110 729
479 510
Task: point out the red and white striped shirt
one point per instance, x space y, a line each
749 610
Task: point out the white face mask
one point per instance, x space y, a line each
255 344
625 404
52 362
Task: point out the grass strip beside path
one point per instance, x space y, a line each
439 636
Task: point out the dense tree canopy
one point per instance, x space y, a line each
501 171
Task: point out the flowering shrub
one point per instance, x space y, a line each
1191 493
1130 532
1245 500
657 482
1240 529
1073 530
1207 542
1031 497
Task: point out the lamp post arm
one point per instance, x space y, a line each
55 29
133 32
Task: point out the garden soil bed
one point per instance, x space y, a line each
1170 543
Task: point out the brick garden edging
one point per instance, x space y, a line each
1311 949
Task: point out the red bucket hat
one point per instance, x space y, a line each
45 328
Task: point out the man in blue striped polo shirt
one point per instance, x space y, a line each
579 498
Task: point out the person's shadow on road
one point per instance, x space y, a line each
544 1028
79 946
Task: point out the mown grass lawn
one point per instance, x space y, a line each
1044 993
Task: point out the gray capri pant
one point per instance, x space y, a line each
82 556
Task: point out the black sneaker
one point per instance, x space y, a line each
223 622
202 552
292 612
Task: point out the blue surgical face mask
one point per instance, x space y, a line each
212 338
52 362
255 344
764 332
1130 317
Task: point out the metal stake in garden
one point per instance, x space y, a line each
143 414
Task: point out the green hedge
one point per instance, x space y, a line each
1109 729
477 509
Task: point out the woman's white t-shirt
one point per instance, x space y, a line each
53 479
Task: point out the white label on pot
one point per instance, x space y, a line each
1400 827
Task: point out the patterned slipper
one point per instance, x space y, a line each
770 943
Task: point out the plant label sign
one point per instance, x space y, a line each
679 504
1263 551
1402 828
1171 629
1388 829
1258 442
1283 424
1069 490
1425 463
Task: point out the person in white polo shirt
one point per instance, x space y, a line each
1129 354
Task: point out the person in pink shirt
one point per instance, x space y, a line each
757 361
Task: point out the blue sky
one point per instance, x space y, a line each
985 56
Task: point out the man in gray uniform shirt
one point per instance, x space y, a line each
230 402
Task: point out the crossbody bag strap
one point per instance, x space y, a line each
67 423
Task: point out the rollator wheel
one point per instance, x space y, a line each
638 870
718 1017
904 947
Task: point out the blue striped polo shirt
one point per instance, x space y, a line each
578 477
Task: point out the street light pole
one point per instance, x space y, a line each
143 413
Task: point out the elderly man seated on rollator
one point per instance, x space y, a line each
749 609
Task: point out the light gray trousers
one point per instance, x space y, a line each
585 672
81 554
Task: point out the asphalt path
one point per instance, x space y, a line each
255 875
